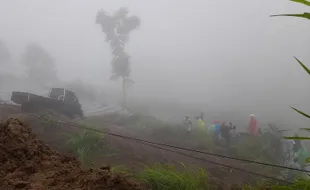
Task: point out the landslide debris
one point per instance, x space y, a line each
27 163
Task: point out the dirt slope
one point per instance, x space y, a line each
27 163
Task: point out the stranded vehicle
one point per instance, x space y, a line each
61 100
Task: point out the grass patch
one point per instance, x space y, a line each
300 183
264 148
83 144
167 177
121 170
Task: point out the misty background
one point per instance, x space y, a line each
226 58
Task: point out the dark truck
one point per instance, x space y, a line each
61 100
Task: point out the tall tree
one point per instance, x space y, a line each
5 55
117 28
40 65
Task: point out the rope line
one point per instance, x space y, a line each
181 148
216 163
170 146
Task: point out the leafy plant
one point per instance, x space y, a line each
48 123
120 169
301 183
307 16
83 143
167 177
265 148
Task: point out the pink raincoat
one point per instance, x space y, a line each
253 125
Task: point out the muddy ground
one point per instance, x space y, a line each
27 163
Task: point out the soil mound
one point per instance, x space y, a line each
27 163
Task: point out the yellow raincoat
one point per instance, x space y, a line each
200 124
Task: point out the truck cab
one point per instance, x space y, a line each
61 100
69 99
62 94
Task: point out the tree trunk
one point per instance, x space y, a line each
124 90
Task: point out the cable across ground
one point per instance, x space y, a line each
153 144
180 153
216 163
186 149
172 146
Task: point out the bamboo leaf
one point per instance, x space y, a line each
303 15
305 129
297 138
300 112
305 2
303 66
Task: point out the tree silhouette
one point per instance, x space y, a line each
5 55
40 65
117 28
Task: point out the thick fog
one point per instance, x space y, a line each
226 58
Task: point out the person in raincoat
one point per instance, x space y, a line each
303 157
211 128
288 145
217 130
234 135
200 123
201 116
188 123
253 125
225 132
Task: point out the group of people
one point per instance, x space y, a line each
219 130
295 155
199 122
222 130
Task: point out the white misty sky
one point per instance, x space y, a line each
223 52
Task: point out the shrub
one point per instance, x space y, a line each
298 184
84 143
120 169
167 177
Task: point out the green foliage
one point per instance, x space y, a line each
167 177
260 185
120 169
300 183
264 148
305 2
300 112
48 122
303 65
305 15
298 138
84 143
